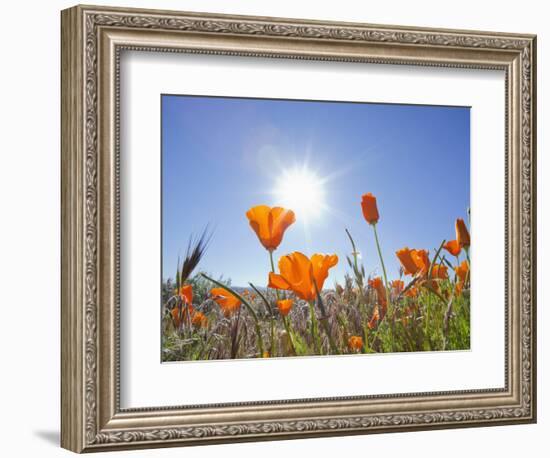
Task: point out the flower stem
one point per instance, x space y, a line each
358 276
432 264
273 270
314 329
390 308
271 316
290 334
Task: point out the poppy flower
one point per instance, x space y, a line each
398 286
186 295
270 224
413 261
199 320
284 306
462 234
370 210
462 273
422 260
377 284
374 319
227 302
302 275
462 270
355 343
405 258
431 285
453 247
412 292
439 271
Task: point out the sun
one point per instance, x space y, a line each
302 191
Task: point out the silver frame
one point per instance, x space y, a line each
92 40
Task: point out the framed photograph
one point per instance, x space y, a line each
278 228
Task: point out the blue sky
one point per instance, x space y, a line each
221 156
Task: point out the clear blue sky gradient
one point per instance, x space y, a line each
221 156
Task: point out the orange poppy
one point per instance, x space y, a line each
430 284
186 293
227 302
462 234
413 261
398 286
422 260
453 247
370 209
199 320
377 284
405 258
462 273
439 271
284 306
300 274
462 270
412 292
355 343
374 319
270 224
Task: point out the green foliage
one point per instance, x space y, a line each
428 314
418 324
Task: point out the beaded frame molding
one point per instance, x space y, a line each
92 41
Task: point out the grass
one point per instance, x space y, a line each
418 323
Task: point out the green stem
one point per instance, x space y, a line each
271 316
273 270
248 307
358 276
290 335
366 347
314 329
271 260
390 308
263 298
434 259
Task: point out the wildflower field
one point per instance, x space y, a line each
299 311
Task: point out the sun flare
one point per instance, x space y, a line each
301 190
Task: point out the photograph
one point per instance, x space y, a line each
310 228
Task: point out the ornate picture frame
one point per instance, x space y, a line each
92 41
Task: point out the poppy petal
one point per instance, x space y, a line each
278 282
